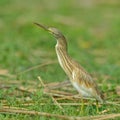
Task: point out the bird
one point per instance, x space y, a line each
81 80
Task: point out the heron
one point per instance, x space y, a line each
81 80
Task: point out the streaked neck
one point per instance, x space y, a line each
63 57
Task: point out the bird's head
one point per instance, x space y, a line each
57 34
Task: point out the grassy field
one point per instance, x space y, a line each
93 31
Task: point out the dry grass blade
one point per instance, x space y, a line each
106 117
15 108
23 89
57 92
118 90
56 103
4 86
63 117
37 66
72 104
64 95
112 103
5 72
57 85
12 111
41 81
15 82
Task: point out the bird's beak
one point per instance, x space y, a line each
42 26
45 28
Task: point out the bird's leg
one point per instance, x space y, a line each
97 107
82 106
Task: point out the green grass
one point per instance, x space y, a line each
93 33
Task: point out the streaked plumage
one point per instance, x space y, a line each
78 76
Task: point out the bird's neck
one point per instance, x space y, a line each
62 43
63 57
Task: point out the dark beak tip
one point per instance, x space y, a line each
36 23
42 26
